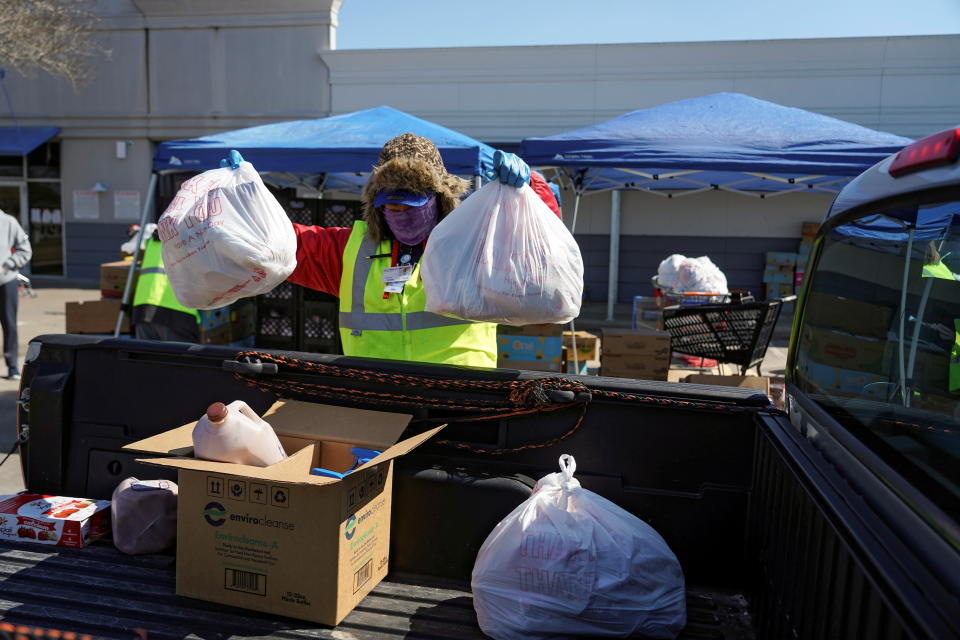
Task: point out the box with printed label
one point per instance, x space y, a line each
530 352
847 314
113 278
57 520
782 258
541 330
278 538
836 349
213 318
588 345
635 342
774 274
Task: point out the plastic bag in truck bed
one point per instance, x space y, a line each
568 562
225 237
503 256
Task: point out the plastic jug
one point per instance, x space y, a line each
144 515
235 433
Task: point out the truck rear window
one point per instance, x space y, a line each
879 345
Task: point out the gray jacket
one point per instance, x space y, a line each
13 236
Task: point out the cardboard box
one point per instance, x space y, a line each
774 274
219 335
843 350
540 330
643 367
781 258
774 291
243 319
761 383
213 318
113 278
279 539
809 230
534 353
636 342
94 316
588 345
848 315
842 382
56 520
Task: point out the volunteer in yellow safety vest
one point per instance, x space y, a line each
156 313
374 267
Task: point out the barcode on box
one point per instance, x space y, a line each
362 575
246 581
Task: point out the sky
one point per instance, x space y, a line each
382 24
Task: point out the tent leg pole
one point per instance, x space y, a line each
573 329
147 207
477 183
614 270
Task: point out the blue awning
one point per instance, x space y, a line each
19 141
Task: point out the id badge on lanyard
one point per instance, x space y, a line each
395 277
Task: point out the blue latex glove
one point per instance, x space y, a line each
556 192
509 169
233 162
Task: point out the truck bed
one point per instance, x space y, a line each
104 593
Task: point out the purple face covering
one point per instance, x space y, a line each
414 224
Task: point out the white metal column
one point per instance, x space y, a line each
614 271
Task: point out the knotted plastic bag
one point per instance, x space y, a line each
503 256
144 515
225 237
568 562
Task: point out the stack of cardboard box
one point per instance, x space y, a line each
637 353
778 274
536 347
808 233
588 349
100 316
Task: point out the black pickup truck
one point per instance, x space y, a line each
836 518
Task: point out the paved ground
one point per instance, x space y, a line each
37 316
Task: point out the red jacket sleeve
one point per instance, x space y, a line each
320 257
539 184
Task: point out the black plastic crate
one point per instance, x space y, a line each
338 213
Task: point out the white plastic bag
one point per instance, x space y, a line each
700 274
503 256
568 562
225 237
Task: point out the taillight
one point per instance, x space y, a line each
933 151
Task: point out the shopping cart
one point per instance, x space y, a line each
23 286
735 333
667 297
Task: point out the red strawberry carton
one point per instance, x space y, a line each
58 520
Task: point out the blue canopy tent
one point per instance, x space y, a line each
20 141
720 142
331 153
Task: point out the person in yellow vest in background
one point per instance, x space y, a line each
156 313
374 267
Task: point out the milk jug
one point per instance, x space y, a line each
144 515
235 433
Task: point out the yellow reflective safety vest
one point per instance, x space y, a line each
955 359
153 286
396 326
938 270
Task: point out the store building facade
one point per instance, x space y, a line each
180 70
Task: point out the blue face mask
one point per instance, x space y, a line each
415 224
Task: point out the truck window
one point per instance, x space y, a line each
879 339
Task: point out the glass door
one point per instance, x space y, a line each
13 202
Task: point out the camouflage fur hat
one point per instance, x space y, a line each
413 163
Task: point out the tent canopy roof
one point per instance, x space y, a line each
347 144
728 138
20 141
